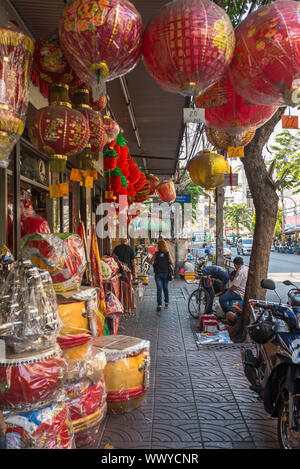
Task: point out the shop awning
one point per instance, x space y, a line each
158 114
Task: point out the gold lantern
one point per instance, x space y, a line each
207 169
222 140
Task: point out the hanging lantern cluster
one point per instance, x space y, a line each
188 46
16 51
235 115
207 169
222 140
266 65
102 39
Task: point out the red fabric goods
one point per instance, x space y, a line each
88 403
237 115
141 182
266 65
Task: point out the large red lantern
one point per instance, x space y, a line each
101 37
51 64
237 115
266 64
188 46
16 52
166 191
59 131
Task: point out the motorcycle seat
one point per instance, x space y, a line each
295 300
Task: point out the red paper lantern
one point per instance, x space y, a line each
131 190
266 64
134 173
153 181
110 163
237 115
115 183
99 104
101 36
16 52
188 45
59 131
166 191
98 136
111 128
51 64
141 182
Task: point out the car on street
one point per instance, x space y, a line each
226 248
244 246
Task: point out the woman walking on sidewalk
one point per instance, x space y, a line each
161 261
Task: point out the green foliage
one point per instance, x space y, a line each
238 9
287 156
238 215
188 187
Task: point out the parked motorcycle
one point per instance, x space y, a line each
274 369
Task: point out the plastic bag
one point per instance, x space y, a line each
29 317
46 428
84 362
106 271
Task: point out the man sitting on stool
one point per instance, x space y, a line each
236 291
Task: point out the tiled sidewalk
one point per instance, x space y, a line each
197 398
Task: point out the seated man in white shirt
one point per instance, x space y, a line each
236 291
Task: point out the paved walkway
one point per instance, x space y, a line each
198 398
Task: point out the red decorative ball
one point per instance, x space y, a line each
188 46
59 130
101 35
141 182
110 163
131 190
266 65
116 183
236 115
134 173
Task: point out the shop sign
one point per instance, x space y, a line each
196 116
289 122
183 199
236 152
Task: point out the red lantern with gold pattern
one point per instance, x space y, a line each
101 37
266 64
153 181
51 64
99 104
111 128
188 46
222 140
16 52
166 191
237 115
59 131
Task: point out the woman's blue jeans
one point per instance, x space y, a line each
162 285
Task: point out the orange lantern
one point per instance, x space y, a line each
222 140
166 191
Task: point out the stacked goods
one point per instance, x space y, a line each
32 370
85 387
127 371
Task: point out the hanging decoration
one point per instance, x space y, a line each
153 181
16 51
58 130
166 191
100 104
266 66
111 128
236 115
102 38
188 46
207 169
50 63
222 140
140 182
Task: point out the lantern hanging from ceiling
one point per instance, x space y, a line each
98 136
51 64
140 182
98 104
207 169
222 140
16 51
59 131
101 38
266 64
153 181
111 128
188 46
166 191
237 115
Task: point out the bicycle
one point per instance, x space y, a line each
200 299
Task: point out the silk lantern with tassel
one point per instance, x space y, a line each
207 169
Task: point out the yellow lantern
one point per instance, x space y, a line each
207 169
222 140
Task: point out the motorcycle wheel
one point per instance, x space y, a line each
198 302
288 439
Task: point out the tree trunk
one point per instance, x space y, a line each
265 199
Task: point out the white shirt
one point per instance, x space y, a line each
240 280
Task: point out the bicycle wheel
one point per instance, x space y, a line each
198 302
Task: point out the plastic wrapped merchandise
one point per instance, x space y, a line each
87 411
46 428
113 265
106 271
84 361
127 371
31 380
30 221
62 255
113 305
29 318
